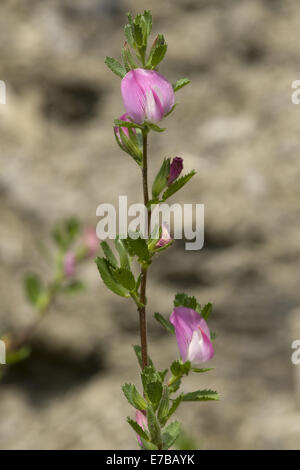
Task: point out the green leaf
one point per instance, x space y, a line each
109 254
175 386
74 287
138 352
201 395
134 397
163 408
206 311
157 52
127 58
176 368
170 434
108 278
123 253
128 35
183 300
140 248
152 384
115 67
13 357
148 19
177 185
175 403
154 427
125 277
137 428
181 83
33 288
165 323
161 179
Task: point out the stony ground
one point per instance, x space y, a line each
236 126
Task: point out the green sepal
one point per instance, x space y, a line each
134 397
201 371
119 123
201 395
161 179
177 185
181 83
155 128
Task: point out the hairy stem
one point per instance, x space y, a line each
142 310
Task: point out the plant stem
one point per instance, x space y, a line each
142 310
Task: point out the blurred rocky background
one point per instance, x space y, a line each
235 124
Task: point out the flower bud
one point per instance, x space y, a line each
69 264
165 238
192 334
176 168
147 95
128 139
141 419
91 241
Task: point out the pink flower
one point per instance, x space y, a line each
141 419
147 95
124 117
165 236
69 264
91 241
175 169
192 334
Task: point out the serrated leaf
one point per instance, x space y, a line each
128 35
140 248
181 83
127 58
206 311
154 427
183 300
170 434
115 67
177 185
175 386
125 277
176 368
201 395
137 428
163 408
175 403
108 278
33 288
134 397
138 352
165 323
154 392
109 254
